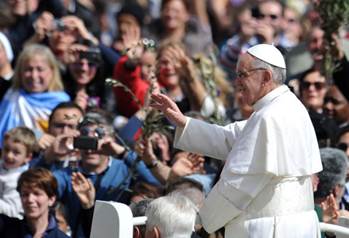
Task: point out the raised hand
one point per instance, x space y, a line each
186 164
169 108
330 210
81 99
84 189
75 24
45 141
108 146
43 26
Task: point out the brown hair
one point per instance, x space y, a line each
38 178
186 4
22 135
43 51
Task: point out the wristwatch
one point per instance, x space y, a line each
154 163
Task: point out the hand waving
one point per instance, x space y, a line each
169 108
84 189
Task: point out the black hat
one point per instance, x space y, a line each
132 9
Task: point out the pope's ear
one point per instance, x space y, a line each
268 75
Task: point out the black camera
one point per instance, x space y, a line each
255 12
92 54
58 25
85 143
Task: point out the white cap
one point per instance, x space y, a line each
269 54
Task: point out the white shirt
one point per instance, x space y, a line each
270 158
10 201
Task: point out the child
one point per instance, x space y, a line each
17 149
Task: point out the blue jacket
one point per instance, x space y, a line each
109 184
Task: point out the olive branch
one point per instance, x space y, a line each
333 14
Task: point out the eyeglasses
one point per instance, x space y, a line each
247 73
317 85
271 16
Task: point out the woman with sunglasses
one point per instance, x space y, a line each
313 88
84 77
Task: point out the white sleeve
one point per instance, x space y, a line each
10 203
227 200
207 139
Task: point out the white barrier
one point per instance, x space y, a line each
340 231
113 220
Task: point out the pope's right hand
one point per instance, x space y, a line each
169 108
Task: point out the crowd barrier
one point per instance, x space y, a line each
115 220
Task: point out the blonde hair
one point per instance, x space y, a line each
31 51
22 135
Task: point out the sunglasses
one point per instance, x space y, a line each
317 85
271 16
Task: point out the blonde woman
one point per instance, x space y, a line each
37 88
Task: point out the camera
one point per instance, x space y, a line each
92 54
85 143
58 25
255 12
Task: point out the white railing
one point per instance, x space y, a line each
115 220
340 231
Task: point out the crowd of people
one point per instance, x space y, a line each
91 100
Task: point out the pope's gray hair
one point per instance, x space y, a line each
279 74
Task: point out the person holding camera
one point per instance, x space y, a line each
62 126
103 161
84 79
59 34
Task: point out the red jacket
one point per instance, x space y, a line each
125 104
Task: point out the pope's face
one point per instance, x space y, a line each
249 81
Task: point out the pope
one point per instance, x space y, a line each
265 188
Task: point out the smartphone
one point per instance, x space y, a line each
85 143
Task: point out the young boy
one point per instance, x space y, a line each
17 149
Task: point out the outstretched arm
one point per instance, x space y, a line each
215 141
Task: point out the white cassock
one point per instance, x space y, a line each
265 188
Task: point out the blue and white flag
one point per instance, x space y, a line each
19 108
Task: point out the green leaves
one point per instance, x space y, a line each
333 14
